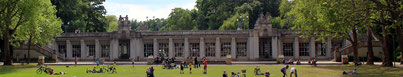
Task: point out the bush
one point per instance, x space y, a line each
278 61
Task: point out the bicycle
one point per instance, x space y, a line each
42 69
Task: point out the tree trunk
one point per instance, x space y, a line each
355 45
370 53
8 60
388 57
29 49
400 38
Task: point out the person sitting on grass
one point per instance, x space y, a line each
257 70
298 62
283 69
233 74
94 70
314 62
290 61
293 71
267 74
225 74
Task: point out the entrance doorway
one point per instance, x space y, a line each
124 49
265 48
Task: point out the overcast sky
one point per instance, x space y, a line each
140 9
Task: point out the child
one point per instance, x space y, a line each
181 71
205 65
190 68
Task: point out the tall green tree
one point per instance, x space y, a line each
333 18
22 19
180 19
388 16
112 23
211 14
86 15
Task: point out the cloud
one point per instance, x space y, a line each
141 11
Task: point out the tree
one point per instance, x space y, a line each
286 18
21 18
335 19
111 22
389 16
211 14
180 19
86 15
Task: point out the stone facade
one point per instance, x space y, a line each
261 43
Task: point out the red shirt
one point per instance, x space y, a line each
205 62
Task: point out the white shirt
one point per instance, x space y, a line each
293 70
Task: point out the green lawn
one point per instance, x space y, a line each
213 71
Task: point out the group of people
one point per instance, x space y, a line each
111 69
292 71
168 63
150 72
50 71
291 61
233 74
196 65
257 72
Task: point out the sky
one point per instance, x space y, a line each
140 9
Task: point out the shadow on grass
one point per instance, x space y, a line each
14 68
367 70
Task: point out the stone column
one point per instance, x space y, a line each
171 48
217 47
202 47
250 48
69 49
256 47
186 49
312 47
55 47
132 48
84 52
274 48
233 47
280 46
116 49
328 47
296 47
140 49
155 49
110 49
97 49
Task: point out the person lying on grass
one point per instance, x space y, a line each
350 73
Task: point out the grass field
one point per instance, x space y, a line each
213 71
